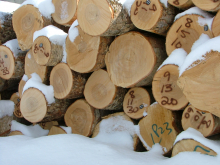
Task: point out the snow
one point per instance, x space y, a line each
137 130
127 4
6 108
197 55
144 113
31 131
29 55
64 10
54 34
17 94
36 82
73 31
13 46
203 38
45 7
165 2
205 21
68 130
177 57
25 78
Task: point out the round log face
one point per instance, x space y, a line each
130 59
143 11
216 25
16 99
65 11
99 90
134 101
208 5
41 50
7 62
33 105
80 116
55 130
193 146
13 133
200 80
184 32
26 20
165 89
199 120
82 53
94 17
179 3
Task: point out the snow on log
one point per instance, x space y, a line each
158 15
181 4
6 116
82 117
22 84
117 129
193 141
11 60
85 53
135 102
31 66
199 75
67 83
55 130
202 121
65 11
187 28
48 45
6 29
105 18
101 93
160 126
207 5
164 86
16 99
48 125
133 59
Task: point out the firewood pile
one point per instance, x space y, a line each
76 63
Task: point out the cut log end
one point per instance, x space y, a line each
13 133
16 99
55 130
216 25
182 4
207 5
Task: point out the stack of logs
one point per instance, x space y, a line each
110 61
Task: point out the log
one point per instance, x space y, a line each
215 25
160 126
193 146
11 60
159 16
5 125
31 66
105 18
133 59
135 102
101 93
86 53
185 31
8 84
67 83
34 107
65 11
16 99
202 121
207 5
55 130
13 133
116 123
48 125
22 84
181 4
82 117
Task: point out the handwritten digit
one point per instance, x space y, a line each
167 74
154 128
183 35
162 131
154 8
132 94
169 129
196 118
189 21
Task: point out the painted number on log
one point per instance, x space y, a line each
41 49
5 70
144 6
158 131
176 2
215 0
183 33
198 147
130 102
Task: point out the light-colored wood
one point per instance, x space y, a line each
160 126
87 53
181 4
158 17
208 5
13 133
16 99
81 117
26 20
65 11
133 59
20 87
117 126
190 145
165 89
67 83
135 102
103 17
45 52
204 122
216 25
101 93
5 125
48 125
11 67
31 66
200 84
55 130
35 108
184 32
